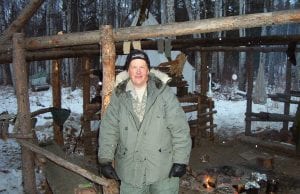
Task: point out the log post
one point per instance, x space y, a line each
287 92
108 63
56 99
88 149
24 116
249 64
296 130
211 119
204 73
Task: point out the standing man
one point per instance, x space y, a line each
145 131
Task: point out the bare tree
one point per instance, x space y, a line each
242 55
163 10
3 75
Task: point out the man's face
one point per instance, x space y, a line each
138 72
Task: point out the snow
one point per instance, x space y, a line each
229 118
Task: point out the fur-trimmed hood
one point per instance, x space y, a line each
157 76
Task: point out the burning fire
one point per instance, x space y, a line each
209 182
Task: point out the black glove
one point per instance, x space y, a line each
177 170
108 171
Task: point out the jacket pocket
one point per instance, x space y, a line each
121 152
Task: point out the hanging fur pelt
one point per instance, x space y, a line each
175 66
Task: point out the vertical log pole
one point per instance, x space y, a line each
86 62
204 73
24 116
204 89
288 80
249 66
108 62
56 99
211 119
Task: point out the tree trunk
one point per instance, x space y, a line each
163 15
3 75
218 57
170 11
189 9
242 55
2 18
21 20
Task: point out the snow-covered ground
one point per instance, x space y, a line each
229 119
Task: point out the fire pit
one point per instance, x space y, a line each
228 179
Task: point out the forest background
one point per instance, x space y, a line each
85 15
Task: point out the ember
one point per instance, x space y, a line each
209 182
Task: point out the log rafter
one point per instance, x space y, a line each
142 32
186 45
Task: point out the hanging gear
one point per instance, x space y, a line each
259 91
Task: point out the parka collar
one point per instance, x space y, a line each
158 77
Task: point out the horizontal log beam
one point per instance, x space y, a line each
155 31
198 44
208 127
265 116
190 108
207 113
189 99
59 54
239 49
275 146
208 25
64 163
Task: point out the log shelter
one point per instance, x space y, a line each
24 50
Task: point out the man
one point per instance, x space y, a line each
145 131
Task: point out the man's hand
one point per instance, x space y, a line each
177 170
108 171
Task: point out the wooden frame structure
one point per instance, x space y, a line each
107 37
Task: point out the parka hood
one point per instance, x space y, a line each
157 76
122 76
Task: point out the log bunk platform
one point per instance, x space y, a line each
202 126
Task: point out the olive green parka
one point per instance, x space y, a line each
144 151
